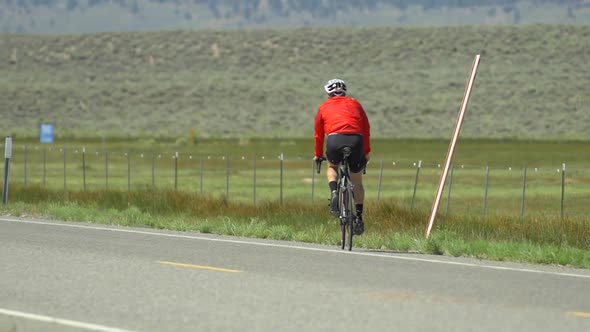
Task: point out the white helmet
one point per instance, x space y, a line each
335 87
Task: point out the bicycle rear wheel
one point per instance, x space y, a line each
343 219
342 234
346 234
349 233
346 220
349 219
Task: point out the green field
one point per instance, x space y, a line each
251 171
268 83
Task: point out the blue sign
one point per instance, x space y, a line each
46 135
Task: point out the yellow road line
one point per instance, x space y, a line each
579 314
200 267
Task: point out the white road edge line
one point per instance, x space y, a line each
194 237
59 321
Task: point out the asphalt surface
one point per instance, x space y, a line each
148 280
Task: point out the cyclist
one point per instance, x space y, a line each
345 123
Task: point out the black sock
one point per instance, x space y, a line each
333 185
359 210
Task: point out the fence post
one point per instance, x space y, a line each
153 170
254 179
65 175
226 177
313 170
450 188
84 168
416 183
562 189
7 156
201 161
523 193
281 157
485 193
128 171
44 166
380 180
106 169
176 170
26 162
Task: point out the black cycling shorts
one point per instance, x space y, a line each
336 142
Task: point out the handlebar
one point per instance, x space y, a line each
318 164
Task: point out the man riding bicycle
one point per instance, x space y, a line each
345 122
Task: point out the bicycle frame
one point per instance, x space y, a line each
345 192
346 201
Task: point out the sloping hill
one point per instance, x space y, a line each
83 16
532 81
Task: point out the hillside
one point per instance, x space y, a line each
89 16
531 84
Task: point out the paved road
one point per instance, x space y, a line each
148 280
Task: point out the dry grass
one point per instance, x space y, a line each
384 217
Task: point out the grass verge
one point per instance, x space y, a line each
389 227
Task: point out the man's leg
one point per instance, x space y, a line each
332 175
332 172
359 198
359 190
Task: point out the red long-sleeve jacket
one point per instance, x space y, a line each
340 115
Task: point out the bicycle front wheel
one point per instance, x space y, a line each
343 219
342 235
346 218
349 232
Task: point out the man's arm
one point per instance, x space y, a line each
318 135
366 132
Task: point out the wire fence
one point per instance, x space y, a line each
475 190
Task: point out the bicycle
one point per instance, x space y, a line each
345 192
